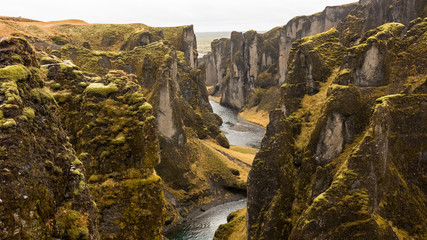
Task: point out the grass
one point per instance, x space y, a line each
243 156
313 105
253 115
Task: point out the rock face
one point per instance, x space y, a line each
336 166
132 99
261 60
114 133
44 193
125 113
310 64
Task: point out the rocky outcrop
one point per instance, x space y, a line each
263 61
44 193
334 167
192 172
304 26
130 115
310 64
189 46
111 126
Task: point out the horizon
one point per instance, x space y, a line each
220 16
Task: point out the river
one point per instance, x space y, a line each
239 132
203 226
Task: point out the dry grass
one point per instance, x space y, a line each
313 105
242 157
254 116
216 99
11 26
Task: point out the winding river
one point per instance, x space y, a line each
238 131
203 226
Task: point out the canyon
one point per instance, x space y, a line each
111 131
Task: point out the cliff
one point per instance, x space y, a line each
133 103
342 157
113 131
243 67
44 193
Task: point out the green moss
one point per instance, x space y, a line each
28 112
181 57
119 140
76 162
150 118
235 228
145 107
80 189
62 96
222 140
136 97
42 95
345 71
393 27
71 224
14 73
11 92
100 89
7 123
139 182
78 172
1 114
105 154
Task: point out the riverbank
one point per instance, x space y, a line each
237 159
244 139
257 117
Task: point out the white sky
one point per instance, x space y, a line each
206 16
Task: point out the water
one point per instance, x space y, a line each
203 226
238 131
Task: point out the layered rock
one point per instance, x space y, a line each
335 167
44 193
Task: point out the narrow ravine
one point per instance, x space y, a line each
240 133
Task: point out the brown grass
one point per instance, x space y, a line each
242 157
254 116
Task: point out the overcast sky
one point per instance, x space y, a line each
206 16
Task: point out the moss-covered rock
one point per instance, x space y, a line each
310 63
222 140
40 197
113 131
353 178
235 228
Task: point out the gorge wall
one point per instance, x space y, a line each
245 66
119 116
44 192
344 153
